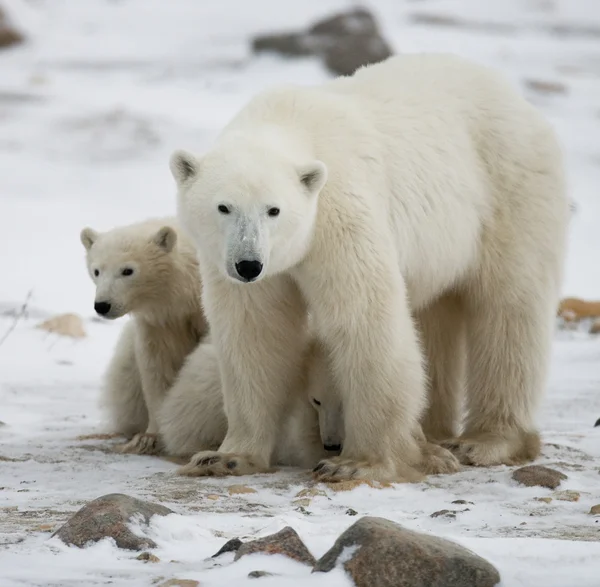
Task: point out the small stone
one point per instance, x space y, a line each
595 327
9 36
595 510
538 476
232 545
461 502
544 499
597 423
109 516
64 325
179 583
351 512
301 502
389 555
566 495
286 542
259 574
213 496
354 51
546 86
446 513
311 492
239 489
148 557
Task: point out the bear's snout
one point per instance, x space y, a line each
102 308
249 270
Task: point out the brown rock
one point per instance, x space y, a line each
595 510
349 53
544 499
285 542
595 326
179 583
345 42
108 516
239 489
9 35
538 476
444 513
65 325
566 495
147 557
546 86
392 556
232 545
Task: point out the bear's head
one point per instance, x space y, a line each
249 208
330 409
131 267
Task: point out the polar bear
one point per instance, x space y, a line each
192 417
367 201
148 270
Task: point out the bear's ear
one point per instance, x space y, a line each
184 165
313 176
88 237
165 238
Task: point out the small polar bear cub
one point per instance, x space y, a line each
416 185
149 271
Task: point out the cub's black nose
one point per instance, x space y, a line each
102 308
249 270
332 447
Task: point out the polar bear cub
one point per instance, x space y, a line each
365 201
148 270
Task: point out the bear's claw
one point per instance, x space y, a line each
215 464
142 444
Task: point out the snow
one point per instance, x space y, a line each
90 110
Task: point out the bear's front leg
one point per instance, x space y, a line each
362 315
259 331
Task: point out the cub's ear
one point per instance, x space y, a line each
313 176
184 165
88 237
165 238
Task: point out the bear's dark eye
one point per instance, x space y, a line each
223 209
96 272
316 401
127 271
273 212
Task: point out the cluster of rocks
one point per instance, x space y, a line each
344 42
375 552
9 35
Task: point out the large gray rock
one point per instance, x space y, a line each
538 476
108 516
344 41
387 555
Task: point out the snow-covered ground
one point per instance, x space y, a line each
90 109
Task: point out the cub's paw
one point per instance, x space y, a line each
218 464
438 460
142 444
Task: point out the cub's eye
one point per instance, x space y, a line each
316 402
223 209
127 271
96 272
273 212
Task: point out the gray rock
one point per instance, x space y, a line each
389 555
344 41
232 545
260 574
538 476
108 516
285 542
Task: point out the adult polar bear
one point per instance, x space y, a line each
424 184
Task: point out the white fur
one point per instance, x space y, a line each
162 296
429 177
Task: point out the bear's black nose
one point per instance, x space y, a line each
249 270
102 308
332 447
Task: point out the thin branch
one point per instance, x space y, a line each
20 314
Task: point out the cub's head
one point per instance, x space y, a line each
130 266
250 209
